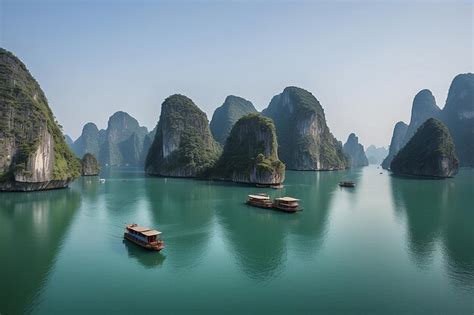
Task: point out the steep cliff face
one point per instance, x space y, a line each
89 165
250 153
305 142
423 107
33 152
122 141
355 151
458 115
226 116
396 144
376 155
430 152
88 141
183 145
147 141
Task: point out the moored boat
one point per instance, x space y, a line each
144 237
287 204
347 184
260 201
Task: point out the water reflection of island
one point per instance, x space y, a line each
32 229
438 212
148 259
260 238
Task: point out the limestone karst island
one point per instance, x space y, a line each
210 157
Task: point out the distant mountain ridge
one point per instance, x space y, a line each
376 155
124 142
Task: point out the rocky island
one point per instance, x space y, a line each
430 153
399 132
33 151
183 144
250 153
89 165
458 115
355 151
89 141
305 141
226 116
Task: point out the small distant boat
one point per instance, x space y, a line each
287 204
144 237
347 184
260 201
102 180
277 186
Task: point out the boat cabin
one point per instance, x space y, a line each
287 204
260 200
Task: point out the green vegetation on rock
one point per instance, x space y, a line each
250 153
28 127
183 145
305 141
430 152
226 116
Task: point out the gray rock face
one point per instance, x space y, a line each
355 151
430 152
123 141
89 165
305 141
376 155
226 116
423 107
396 144
458 115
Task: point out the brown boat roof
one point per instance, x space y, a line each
287 199
144 230
259 197
151 233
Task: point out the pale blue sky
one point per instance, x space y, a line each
364 61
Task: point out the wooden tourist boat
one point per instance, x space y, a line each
260 201
287 204
144 237
347 184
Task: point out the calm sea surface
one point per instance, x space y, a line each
391 245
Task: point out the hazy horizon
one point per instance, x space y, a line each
363 61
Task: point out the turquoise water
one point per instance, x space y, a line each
391 245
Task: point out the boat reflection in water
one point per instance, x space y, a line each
145 258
